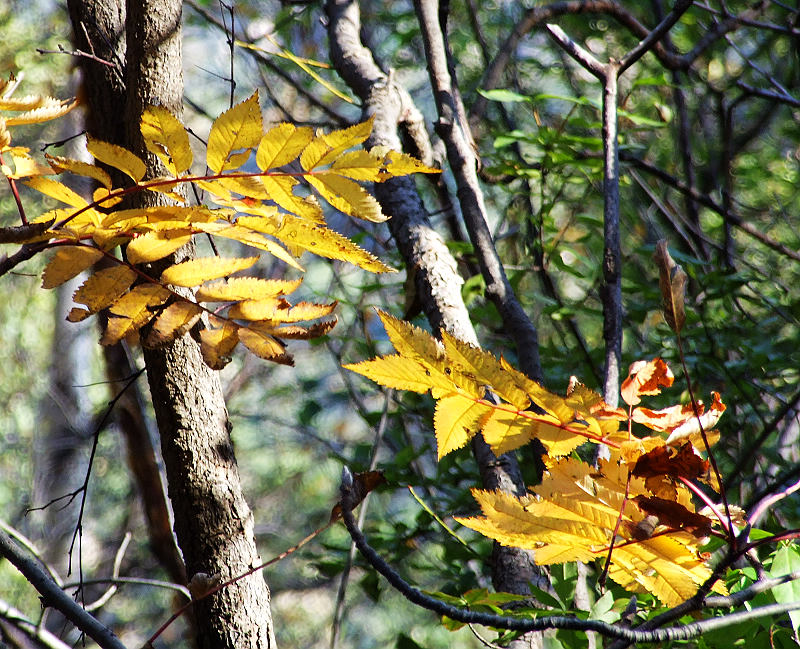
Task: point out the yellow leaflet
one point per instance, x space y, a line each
278 310
248 186
68 262
218 341
196 271
134 311
282 144
104 287
156 245
347 196
245 288
265 346
80 168
484 368
394 371
505 431
325 242
253 239
402 164
296 332
101 197
55 189
358 165
239 127
165 136
313 153
303 64
279 189
117 157
411 341
456 419
48 108
25 166
557 441
348 137
173 322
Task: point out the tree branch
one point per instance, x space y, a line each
53 596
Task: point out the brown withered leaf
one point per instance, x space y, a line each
661 461
674 515
672 283
363 483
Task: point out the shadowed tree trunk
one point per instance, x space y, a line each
213 523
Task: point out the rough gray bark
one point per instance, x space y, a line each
213 523
427 258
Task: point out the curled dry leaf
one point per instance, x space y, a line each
672 282
645 378
662 460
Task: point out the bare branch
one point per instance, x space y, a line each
53 596
577 52
681 6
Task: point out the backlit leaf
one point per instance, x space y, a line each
157 244
68 262
265 346
57 190
238 129
394 371
173 322
456 420
645 378
104 287
245 288
117 157
347 196
253 239
218 341
165 136
282 144
196 271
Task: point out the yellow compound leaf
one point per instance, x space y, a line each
24 165
238 129
282 144
196 271
456 419
265 346
104 287
80 168
68 262
173 322
246 288
278 310
117 157
347 196
38 109
57 190
394 371
218 341
296 332
157 244
165 136
506 431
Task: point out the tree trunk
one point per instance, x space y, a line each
213 523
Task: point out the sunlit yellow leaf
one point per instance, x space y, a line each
402 164
456 419
279 189
48 109
196 271
157 244
238 128
218 341
394 371
173 322
68 262
347 196
133 310
165 136
104 287
25 166
57 190
80 168
317 239
297 332
358 165
253 239
117 157
282 144
245 288
265 346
